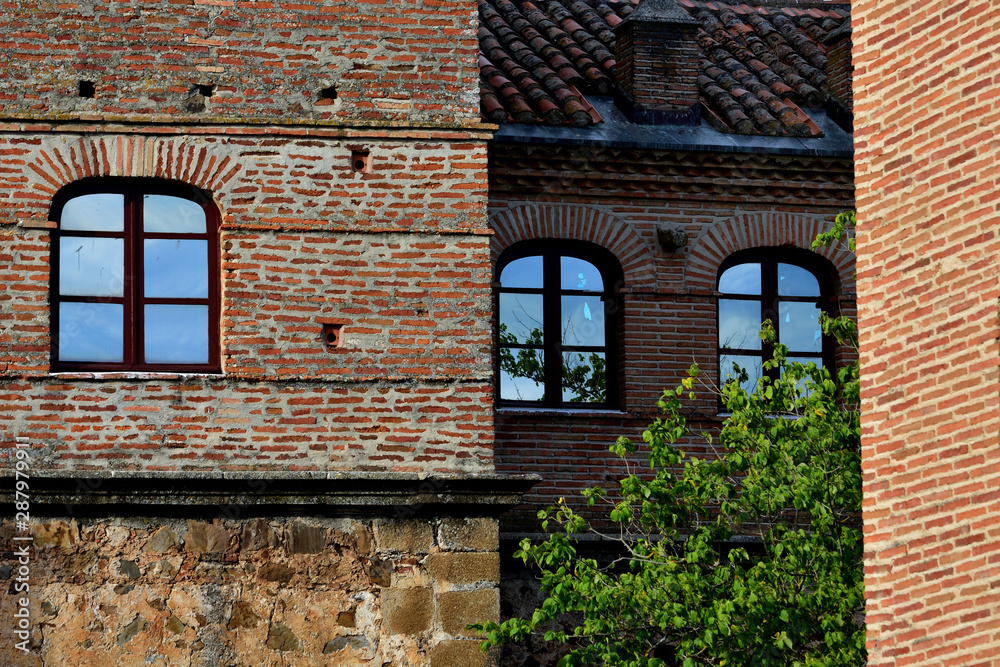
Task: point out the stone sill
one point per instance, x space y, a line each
583 413
261 493
131 375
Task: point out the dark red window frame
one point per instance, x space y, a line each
132 298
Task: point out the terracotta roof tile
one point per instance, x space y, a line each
760 64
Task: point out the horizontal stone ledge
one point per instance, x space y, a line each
459 130
245 494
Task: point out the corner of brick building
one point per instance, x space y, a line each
926 121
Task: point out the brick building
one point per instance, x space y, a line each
926 125
288 321
673 199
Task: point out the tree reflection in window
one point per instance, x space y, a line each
557 326
790 288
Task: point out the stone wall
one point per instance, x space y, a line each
258 591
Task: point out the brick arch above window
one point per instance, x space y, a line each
759 230
199 164
578 223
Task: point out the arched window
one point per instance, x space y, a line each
135 278
557 325
786 286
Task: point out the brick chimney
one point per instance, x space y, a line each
657 58
840 104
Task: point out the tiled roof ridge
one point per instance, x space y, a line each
761 60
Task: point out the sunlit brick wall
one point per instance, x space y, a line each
387 60
926 85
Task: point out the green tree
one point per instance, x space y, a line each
750 557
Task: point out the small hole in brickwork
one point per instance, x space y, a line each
360 161
332 335
205 89
86 89
328 93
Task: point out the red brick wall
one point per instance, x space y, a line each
669 316
407 61
407 274
926 82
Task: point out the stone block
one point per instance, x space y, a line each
469 534
456 653
379 571
161 540
78 562
281 638
306 539
128 569
457 568
356 642
362 539
243 616
407 611
55 533
206 538
411 537
131 630
276 572
456 609
257 535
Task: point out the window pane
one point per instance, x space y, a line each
798 326
94 213
579 274
796 281
584 377
176 334
741 279
175 268
524 272
521 318
582 320
522 375
739 324
91 266
752 365
161 213
90 332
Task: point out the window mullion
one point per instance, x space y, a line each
770 310
553 332
131 266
